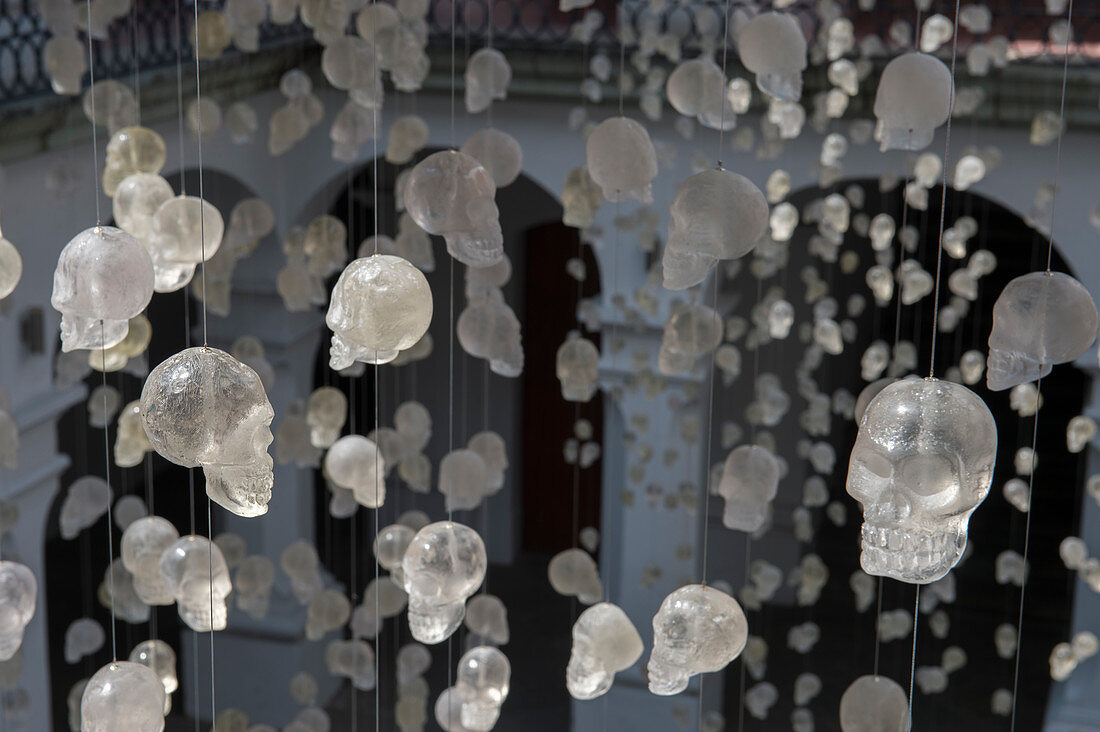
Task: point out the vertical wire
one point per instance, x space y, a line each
210 555
710 440
179 101
1039 382
454 30
134 42
107 475
723 103
878 622
943 196
913 658
202 201
91 96
451 435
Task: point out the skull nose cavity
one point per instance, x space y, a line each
891 507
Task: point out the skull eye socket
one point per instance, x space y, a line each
928 475
878 466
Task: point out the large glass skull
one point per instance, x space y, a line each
159 657
874 704
605 642
1040 319
482 685
380 305
716 215
196 574
915 95
143 543
773 47
103 278
697 629
186 231
750 480
444 564
123 695
18 598
204 407
577 365
922 462
622 160
451 194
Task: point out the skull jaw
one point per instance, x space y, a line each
585 677
908 554
666 680
343 353
433 624
896 137
479 717
1006 369
241 489
9 644
199 617
80 333
787 87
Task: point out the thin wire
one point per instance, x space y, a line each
913 660
179 98
202 201
710 442
91 97
622 72
1061 132
722 89
107 475
454 20
134 43
210 555
878 623
943 194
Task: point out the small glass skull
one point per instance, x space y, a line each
577 366
159 657
915 95
18 598
922 462
488 75
355 463
380 305
698 629
622 160
132 150
573 573
85 501
773 47
444 564
487 619
605 642
1039 320
716 215
451 194
195 572
186 231
123 695
252 585
482 685
103 278
750 480
874 704
202 407
498 152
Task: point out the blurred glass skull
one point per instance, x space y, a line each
698 629
605 642
195 572
18 599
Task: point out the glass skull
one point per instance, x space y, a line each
18 598
697 629
196 574
1040 319
143 543
915 95
577 366
186 231
444 564
622 160
159 657
716 215
605 642
123 695
750 480
380 305
773 47
874 704
202 407
452 195
103 278
482 685
132 150
922 462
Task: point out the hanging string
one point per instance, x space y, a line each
943 197
913 658
107 475
202 201
710 441
179 104
454 20
91 97
622 71
878 623
722 90
1039 382
135 51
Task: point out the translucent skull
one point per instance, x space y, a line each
103 278
123 695
697 629
487 619
131 442
143 543
750 480
580 198
773 47
186 231
252 585
1040 319
451 194
86 500
488 75
18 598
922 462
102 405
874 704
203 407
716 215
915 95
413 422
380 305
622 160
300 562
498 152
196 574
137 200
696 88
577 368
116 592
494 453
605 642
355 463
328 610
482 685
408 135
326 414
159 657
488 328
444 564
574 573
463 479
132 150
66 61
354 660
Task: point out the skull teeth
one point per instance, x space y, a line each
907 555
